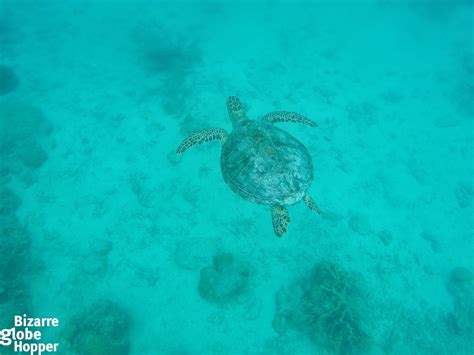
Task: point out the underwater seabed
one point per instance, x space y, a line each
137 250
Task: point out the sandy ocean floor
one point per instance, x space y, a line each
137 250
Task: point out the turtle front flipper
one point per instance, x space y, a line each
286 116
280 220
311 204
204 135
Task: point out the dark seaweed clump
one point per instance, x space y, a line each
22 132
167 53
9 201
225 281
327 306
101 329
460 285
24 135
172 57
15 253
15 260
8 80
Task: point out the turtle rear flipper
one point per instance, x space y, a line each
311 204
286 116
280 220
204 135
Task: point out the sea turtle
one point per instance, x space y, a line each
261 162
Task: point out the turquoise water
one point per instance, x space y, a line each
137 250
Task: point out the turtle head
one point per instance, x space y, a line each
236 111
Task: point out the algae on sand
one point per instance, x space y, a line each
327 306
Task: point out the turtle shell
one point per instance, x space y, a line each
265 164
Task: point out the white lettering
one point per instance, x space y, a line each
37 335
5 336
23 321
18 346
25 339
34 348
20 335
